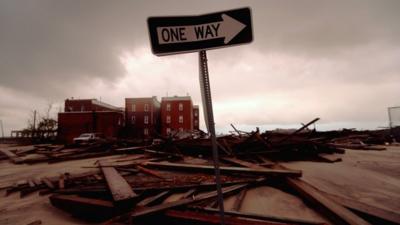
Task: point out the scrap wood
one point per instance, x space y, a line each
186 201
149 172
331 209
88 207
36 222
385 216
263 216
329 158
192 217
239 199
48 183
152 199
359 147
119 188
12 156
259 171
298 130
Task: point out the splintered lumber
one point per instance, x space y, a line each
385 216
149 172
83 206
153 199
241 163
331 209
48 183
13 157
190 217
186 201
259 171
119 188
36 222
239 199
298 130
264 216
329 157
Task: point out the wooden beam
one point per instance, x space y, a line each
120 189
186 201
239 199
190 217
330 209
13 157
207 168
265 216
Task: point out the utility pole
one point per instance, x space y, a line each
2 129
34 123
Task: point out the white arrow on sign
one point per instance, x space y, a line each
228 28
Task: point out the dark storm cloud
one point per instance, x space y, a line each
325 54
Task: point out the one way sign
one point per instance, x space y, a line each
172 35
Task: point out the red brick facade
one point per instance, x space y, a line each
176 114
73 124
142 116
87 105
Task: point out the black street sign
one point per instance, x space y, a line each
180 34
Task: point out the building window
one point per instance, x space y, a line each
146 119
82 108
146 107
196 122
133 107
180 119
180 106
133 119
168 119
168 107
180 129
146 131
195 113
168 130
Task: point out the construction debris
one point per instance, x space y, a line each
173 180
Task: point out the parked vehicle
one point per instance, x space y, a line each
88 138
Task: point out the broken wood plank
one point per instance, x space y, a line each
259 171
61 183
191 217
385 216
13 157
36 222
329 157
152 199
265 216
119 188
239 199
331 209
86 207
200 197
48 183
149 172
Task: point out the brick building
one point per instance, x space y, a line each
176 114
196 118
142 116
88 116
87 105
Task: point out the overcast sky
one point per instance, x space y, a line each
337 60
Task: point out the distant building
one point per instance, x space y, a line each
176 114
196 118
89 116
142 116
87 105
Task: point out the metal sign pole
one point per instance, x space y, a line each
209 118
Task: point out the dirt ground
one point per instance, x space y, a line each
371 177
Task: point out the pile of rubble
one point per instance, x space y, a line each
173 181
